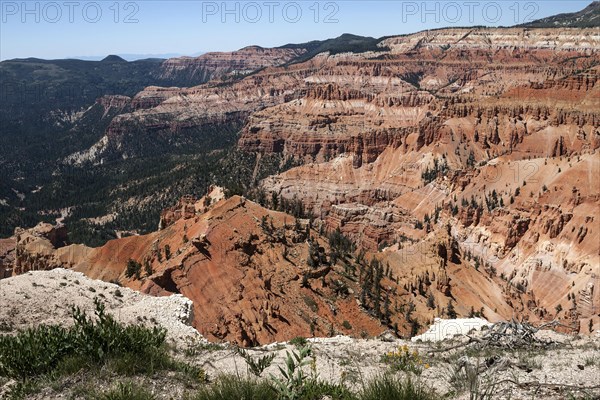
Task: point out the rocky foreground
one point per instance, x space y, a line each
47 297
555 366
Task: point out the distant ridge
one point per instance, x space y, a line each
589 17
134 57
342 44
113 59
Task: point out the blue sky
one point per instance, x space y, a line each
69 28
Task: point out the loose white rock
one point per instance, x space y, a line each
448 328
46 297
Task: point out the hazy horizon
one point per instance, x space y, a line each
54 30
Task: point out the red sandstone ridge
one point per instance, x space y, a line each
361 105
223 66
517 121
244 267
358 103
257 276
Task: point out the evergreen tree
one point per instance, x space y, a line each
148 268
386 309
450 311
133 268
431 301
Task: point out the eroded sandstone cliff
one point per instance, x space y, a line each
466 159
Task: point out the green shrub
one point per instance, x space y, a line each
40 350
316 390
108 337
233 388
200 348
256 366
71 364
148 268
299 341
126 391
34 351
390 387
147 362
20 390
291 384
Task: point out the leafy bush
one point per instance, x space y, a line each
291 384
230 387
40 350
340 245
148 268
439 168
107 336
258 366
34 351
